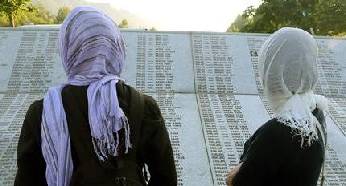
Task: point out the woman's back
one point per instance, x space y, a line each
148 134
274 156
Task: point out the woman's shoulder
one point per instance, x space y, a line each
273 130
272 125
283 133
151 108
32 121
33 115
35 108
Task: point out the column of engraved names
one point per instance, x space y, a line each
213 63
43 78
154 63
164 64
236 123
24 53
330 82
214 146
162 55
225 130
155 75
13 103
335 169
173 123
255 44
34 62
5 39
5 102
338 111
140 62
17 106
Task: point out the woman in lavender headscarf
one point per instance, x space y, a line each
95 129
288 150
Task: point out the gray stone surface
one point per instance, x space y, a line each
206 85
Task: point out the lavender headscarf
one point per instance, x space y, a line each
92 51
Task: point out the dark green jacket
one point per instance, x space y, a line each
149 137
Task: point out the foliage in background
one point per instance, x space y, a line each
39 15
332 18
36 15
4 20
62 13
322 17
13 9
29 14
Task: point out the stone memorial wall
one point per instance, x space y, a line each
206 84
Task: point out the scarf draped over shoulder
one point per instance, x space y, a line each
92 52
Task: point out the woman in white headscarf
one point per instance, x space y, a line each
289 149
94 129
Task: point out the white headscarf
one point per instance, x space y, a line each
92 51
288 70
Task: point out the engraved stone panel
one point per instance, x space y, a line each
222 64
34 65
183 123
332 67
206 84
159 62
12 112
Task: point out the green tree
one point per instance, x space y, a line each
238 24
124 24
62 13
13 8
318 16
36 15
4 20
331 17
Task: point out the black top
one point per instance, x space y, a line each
273 156
149 137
